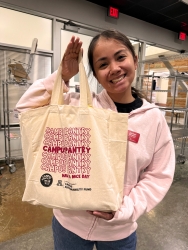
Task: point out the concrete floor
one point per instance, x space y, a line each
27 227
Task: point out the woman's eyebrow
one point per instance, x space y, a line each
101 59
119 51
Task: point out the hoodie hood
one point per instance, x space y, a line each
109 104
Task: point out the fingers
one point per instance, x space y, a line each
103 215
90 212
74 46
77 45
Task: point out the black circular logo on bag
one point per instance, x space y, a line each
46 180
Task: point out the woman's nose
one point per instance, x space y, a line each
114 68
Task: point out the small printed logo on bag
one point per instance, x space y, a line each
70 186
59 183
46 180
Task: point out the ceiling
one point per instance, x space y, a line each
169 14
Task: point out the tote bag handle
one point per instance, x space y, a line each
85 94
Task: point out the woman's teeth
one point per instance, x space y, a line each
118 79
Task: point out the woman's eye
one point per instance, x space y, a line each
102 65
121 57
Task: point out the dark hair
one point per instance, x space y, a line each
118 36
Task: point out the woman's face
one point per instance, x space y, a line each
114 68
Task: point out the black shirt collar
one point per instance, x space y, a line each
128 107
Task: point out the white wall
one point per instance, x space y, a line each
153 52
96 16
20 29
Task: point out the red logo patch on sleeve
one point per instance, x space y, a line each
133 136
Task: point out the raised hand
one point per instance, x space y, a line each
70 59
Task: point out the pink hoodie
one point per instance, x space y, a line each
149 169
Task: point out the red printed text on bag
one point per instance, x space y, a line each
67 151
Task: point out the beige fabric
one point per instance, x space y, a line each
74 156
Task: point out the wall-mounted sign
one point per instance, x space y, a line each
182 36
113 12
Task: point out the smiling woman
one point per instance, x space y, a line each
116 71
113 62
150 160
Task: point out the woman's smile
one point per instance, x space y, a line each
116 80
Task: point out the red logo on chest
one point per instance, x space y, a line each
133 136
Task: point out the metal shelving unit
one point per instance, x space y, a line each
10 132
180 137
20 71
179 134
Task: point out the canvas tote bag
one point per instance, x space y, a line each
74 156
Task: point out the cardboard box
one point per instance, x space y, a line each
18 71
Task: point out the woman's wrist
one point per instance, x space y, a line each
65 79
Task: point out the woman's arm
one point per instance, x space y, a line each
39 93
